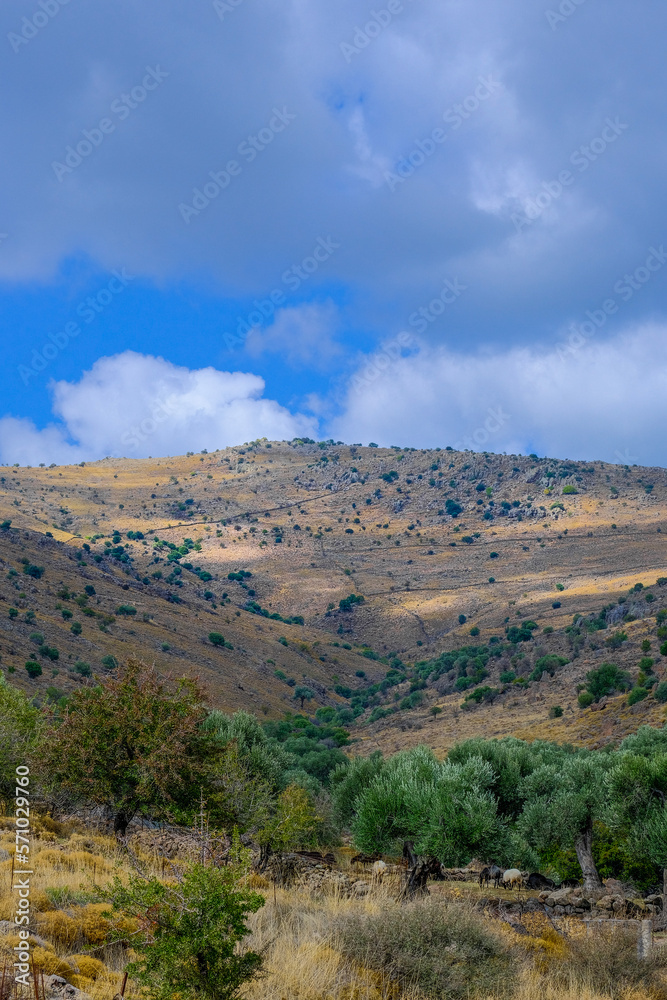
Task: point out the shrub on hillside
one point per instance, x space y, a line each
33 669
443 950
660 693
637 694
616 640
607 679
549 663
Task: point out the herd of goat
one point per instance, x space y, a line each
508 878
512 877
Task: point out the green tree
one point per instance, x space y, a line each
638 792
349 780
303 694
130 743
193 928
292 824
20 725
445 809
563 800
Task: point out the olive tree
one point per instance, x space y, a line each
563 800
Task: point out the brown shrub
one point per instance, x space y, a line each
58 927
88 966
50 964
81 982
94 927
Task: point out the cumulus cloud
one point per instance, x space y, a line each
136 405
579 399
303 335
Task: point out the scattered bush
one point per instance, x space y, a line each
555 712
607 679
33 669
35 571
660 693
444 949
616 640
126 609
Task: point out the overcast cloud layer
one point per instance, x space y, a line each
297 191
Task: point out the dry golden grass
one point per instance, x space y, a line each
298 936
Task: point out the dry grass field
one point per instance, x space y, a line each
319 946
370 521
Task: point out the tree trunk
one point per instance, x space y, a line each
417 874
265 853
663 915
583 845
120 823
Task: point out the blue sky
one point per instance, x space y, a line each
419 222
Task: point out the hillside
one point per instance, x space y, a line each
419 535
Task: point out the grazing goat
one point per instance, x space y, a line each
537 881
379 868
512 877
491 872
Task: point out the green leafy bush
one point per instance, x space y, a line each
607 679
33 669
660 693
585 699
555 712
616 640
201 915
637 694
550 663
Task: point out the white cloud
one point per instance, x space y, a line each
136 405
303 335
603 400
